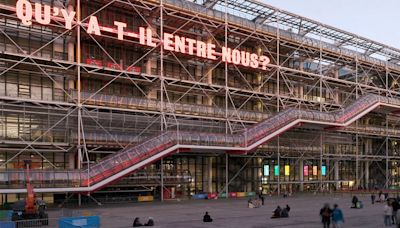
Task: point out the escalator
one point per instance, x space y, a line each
153 149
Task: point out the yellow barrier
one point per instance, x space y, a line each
145 198
86 213
240 194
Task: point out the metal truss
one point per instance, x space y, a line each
313 67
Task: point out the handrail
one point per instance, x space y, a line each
149 104
132 158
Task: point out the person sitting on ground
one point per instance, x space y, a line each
287 207
354 202
359 205
277 212
250 204
207 217
150 222
254 203
137 222
284 213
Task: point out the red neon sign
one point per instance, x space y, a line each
43 14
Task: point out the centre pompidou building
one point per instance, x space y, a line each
173 98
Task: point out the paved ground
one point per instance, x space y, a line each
234 213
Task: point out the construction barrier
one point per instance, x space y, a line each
7 224
86 213
200 196
232 195
251 194
81 222
32 222
212 195
240 194
146 198
5 215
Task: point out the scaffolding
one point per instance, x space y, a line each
70 97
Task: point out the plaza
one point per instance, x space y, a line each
174 99
233 213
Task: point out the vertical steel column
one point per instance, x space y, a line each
278 74
320 159
320 72
366 174
357 153
227 175
387 156
357 160
226 71
387 134
336 174
162 179
226 102
320 107
328 172
356 59
279 168
301 174
162 87
387 79
78 60
162 64
278 71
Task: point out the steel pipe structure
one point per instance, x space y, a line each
70 96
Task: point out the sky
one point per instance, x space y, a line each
378 20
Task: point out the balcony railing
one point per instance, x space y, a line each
101 173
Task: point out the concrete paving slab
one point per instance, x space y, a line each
234 213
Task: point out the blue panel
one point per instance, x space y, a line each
200 196
82 222
6 215
7 224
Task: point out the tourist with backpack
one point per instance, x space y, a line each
337 217
326 213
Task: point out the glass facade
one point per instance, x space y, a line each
122 93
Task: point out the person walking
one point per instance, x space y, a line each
261 197
395 207
387 212
372 198
326 213
337 217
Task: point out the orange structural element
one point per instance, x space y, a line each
30 207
